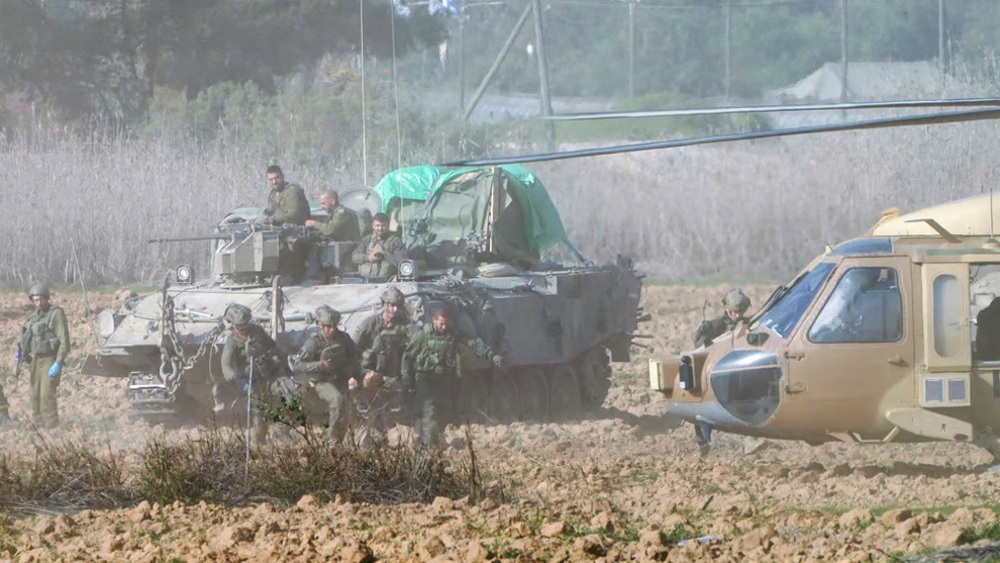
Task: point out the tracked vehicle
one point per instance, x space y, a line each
475 243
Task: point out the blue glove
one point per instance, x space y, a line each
55 369
17 356
246 387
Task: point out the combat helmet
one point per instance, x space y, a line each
38 288
393 295
736 300
238 315
326 315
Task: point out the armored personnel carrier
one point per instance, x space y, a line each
474 239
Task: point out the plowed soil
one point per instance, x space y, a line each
624 484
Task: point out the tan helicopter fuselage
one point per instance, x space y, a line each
873 341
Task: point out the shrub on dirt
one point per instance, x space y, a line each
65 475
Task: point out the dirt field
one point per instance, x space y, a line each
623 485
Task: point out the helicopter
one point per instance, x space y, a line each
887 337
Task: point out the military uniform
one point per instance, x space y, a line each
430 368
393 251
4 410
329 385
45 342
734 301
268 366
287 206
709 330
341 225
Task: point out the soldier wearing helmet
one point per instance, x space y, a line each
328 361
249 347
44 345
431 367
735 305
393 322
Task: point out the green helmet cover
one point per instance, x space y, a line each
393 295
736 300
326 315
238 314
38 289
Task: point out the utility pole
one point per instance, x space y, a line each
727 38
543 72
843 50
496 63
461 58
631 48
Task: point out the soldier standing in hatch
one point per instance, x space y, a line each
330 360
378 254
286 204
735 305
44 346
248 344
430 370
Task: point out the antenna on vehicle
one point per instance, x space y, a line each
992 241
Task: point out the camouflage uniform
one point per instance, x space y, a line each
340 226
709 330
393 250
288 205
328 385
268 366
430 369
4 412
44 342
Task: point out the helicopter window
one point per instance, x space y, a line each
868 245
864 307
947 316
786 312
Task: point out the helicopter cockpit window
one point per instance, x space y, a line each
788 309
864 307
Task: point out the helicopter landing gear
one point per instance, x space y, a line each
703 436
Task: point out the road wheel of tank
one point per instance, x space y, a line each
595 377
471 402
564 393
503 402
534 393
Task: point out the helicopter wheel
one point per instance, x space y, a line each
595 377
504 404
534 395
564 393
471 403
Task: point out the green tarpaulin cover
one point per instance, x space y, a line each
412 183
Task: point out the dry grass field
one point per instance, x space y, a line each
758 209
625 483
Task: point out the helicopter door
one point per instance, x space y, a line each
851 351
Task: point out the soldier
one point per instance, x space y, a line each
44 346
286 204
430 368
379 253
341 224
249 345
381 341
4 412
329 360
735 305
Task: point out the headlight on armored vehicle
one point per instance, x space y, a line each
184 274
407 270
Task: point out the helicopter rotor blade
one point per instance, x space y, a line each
928 119
959 102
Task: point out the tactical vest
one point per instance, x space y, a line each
438 354
266 365
388 350
40 339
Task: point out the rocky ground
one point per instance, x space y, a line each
627 483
